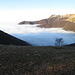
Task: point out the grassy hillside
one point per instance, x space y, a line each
47 60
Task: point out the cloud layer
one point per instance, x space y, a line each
14 28
38 36
47 39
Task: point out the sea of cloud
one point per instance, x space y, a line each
38 36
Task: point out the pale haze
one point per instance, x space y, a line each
19 10
30 15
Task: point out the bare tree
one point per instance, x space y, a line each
59 41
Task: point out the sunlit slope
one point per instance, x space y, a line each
70 22
70 17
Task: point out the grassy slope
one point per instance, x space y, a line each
21 60
7 39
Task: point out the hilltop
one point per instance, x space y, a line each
66 22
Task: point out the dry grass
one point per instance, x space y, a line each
21 60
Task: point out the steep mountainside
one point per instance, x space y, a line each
67 22
7 39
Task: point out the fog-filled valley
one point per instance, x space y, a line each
37 36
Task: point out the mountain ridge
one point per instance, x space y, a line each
66 22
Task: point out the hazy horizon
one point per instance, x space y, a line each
16 16
31 10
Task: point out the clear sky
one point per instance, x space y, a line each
34 9
36 4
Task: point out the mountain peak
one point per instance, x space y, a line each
52 16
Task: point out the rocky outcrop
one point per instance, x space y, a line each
26 22
7 39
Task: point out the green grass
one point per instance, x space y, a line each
45 60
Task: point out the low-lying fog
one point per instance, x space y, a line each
38 36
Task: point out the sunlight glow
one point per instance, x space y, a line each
30 15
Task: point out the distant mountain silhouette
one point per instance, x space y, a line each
66 22
7 39
71 44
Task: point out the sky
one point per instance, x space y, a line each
19 10
36 4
